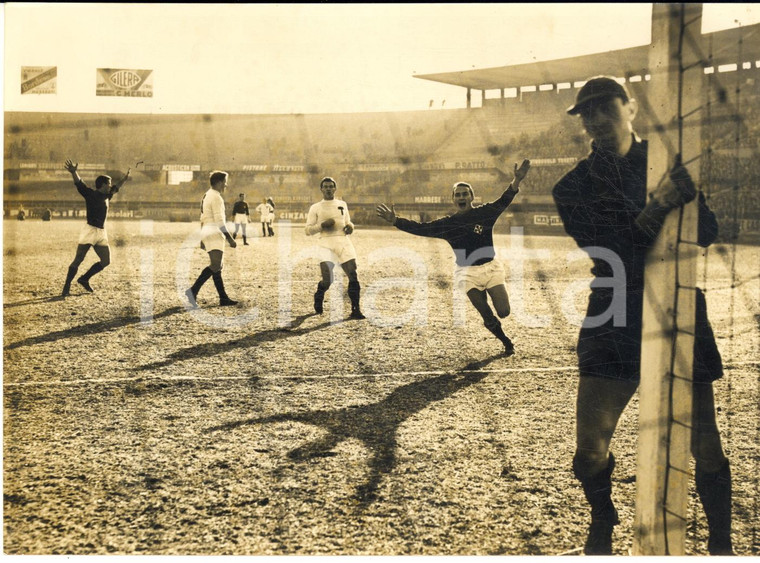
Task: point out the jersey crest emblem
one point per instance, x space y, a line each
478 229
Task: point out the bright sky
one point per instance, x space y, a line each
303 58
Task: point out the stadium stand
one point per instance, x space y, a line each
410 158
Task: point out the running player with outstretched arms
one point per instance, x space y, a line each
469 231
329 219
93 234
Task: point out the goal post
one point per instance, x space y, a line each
674 94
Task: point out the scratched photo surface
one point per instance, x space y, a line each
134 425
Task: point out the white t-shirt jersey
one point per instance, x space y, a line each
212 218
266 212
323 210
212 210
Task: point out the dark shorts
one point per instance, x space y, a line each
616 352
611 354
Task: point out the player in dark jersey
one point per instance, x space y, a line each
469 231
240 216
93 233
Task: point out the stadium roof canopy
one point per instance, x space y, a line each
725 47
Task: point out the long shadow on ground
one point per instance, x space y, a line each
209 349
36 300
92 328
376 425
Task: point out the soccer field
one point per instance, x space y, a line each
135 426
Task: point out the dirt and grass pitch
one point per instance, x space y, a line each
135 426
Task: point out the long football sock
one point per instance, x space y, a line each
714 491
205 274
72 272
494 326
319 297
604 517
219 283
94 269
354 292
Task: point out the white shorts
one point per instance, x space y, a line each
241 218
93 235
480 277
212 238
338 249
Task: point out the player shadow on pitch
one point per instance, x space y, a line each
375 425
92 328
48 299
209 349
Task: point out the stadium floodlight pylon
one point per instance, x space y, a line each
665 395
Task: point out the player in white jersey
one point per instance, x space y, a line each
270 202
213 235
266 211
330 220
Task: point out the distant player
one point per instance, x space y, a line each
93 234
469 231
265 211
270 201
330 220
213 235
240 214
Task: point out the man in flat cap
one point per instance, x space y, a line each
604 206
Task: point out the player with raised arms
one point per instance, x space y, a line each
93 234
330 220
469 231
213 235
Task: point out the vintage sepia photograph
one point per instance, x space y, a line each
381 279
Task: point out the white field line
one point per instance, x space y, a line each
338 376
247 377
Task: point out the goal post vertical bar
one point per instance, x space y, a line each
665 394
